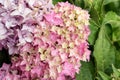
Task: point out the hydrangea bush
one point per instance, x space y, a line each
45 42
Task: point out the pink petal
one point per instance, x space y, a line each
54 52
68 69
61 77
54 19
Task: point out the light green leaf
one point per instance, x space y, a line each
116 30
104 76
111 17
109 1
97 11
114 20
116 73
104 51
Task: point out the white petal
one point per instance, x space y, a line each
2 37
2 29
26 12
16 12
7 4
28 39
31 2
28 28
21 8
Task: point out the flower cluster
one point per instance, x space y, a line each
18 19
45 42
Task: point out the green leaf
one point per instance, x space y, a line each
96 11
98 5
116 73
114 5
56 1
109 1
111 17
104 76
88 4
94 32
104 51
117 57
79 3
94 15
116 30
114 20
86 71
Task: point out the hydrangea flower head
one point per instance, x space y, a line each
64 40
45 44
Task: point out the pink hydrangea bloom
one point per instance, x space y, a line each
45 42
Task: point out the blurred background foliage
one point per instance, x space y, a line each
104 40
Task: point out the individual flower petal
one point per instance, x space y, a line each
2 29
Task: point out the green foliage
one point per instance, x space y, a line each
114 76
104 51
86 71
94 28
56 1
116 73
104 76
79 3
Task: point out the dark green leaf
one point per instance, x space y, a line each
79 3
117 61
94 32
56 1
86 71
113 6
